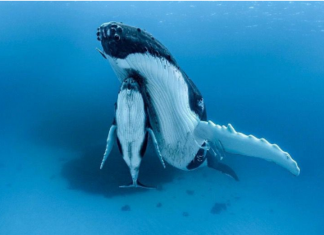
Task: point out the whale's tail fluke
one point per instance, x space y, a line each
214 163
136 184
237 143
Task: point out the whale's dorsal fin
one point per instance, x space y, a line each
238 143
101 53
110 143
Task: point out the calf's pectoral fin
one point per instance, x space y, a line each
238 143
156 146
110 143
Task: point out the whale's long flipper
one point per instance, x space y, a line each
110 143
238 143
156 146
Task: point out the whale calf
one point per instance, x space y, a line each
176 108
130 130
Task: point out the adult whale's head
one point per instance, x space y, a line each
132 52
119 40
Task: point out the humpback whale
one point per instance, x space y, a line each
176 108
132 127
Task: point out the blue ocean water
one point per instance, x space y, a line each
260 67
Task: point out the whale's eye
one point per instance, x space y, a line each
112 30
116 37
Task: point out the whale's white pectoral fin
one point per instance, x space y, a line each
238 143
110 143
156 146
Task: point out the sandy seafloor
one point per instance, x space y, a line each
38 200
259 67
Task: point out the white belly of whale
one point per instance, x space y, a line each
130 120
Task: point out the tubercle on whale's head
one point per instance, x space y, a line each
130 84
119 40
